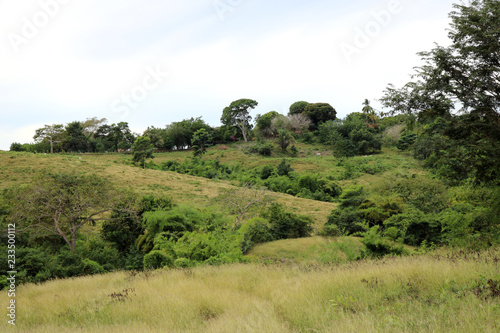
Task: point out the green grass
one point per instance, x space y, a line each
310 251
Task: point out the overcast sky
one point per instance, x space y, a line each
154 62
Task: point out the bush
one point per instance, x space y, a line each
16 147
264 149
285 225
183 263
284 168
405 141
91 267
157 259
376 246
255 231
266 171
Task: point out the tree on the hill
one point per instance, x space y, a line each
319 112
297 107
263 122
51 133
90 126
465 74
143 149
61 204
369 112
284 139
201 140
299 122
238 114
75 139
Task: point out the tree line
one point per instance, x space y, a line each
94 135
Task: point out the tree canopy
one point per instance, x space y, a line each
319 112
61 204
238 114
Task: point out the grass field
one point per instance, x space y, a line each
293 285
441 291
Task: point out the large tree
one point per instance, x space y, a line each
61 204
51 133
318 113
464 76
238 114
297 107
75 140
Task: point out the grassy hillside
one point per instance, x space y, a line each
439 292
19 168
312 284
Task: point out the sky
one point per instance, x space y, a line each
152 62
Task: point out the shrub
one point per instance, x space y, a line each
376 246
16 147
287 225
284 168
405 141
183 263
266 171
91 267
157 259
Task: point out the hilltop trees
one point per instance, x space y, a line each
238 114
297 107
319 112
51 133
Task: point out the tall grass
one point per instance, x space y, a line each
439 292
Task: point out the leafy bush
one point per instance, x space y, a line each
284 168
287 225
264 149
157 259
376 246
266 171
406 140
91 267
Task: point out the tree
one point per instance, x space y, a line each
15 146
297 107
243 201
143 149
51 133
284 139
90 126
299 122
121 136
465 74
201 139
279 123
61 204
369 112
238 114
319 112
156 135
75 139
263 122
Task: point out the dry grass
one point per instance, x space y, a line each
431 293
19 168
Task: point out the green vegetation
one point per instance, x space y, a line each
374 222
